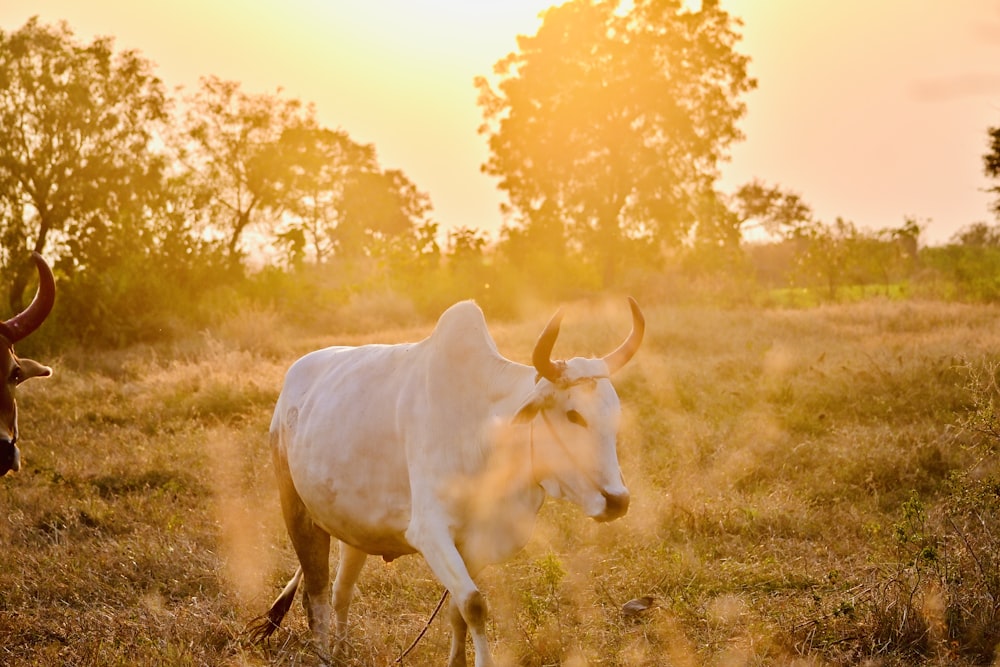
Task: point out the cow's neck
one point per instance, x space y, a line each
501 502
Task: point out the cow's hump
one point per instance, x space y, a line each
463 327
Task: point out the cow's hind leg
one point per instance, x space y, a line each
312 546
348 571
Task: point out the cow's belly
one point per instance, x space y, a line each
384 537
358 495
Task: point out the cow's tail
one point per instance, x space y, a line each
264 626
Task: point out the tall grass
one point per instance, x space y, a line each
788 469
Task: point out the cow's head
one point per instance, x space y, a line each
16 370
574 415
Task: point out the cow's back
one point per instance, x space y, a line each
363 428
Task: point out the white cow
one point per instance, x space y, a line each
441 447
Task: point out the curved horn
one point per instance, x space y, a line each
541 358
25 322
627 350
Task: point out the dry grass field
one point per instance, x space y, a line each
809 487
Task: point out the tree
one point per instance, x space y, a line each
378 206
263 161
76 125
969 265
233 148
978 235
139 275
827 253
614 121
881 256
770 209
321 165
415 262
466 246
991 165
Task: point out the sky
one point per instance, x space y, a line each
873 111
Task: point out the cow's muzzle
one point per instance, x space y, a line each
615 506
10 457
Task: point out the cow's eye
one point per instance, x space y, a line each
576 418
15 375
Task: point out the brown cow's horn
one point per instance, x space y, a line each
22 324
541 358
627 350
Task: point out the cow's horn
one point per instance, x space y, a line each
541 358
626 350
25 322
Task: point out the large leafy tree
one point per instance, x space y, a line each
379 206
76 125
231 144
339 200
613 121
321 165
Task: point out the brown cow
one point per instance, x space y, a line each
16 370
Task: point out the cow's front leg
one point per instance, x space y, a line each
474 612
433 540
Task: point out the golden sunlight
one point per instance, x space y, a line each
399 75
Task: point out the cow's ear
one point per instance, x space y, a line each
33 369
529 410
